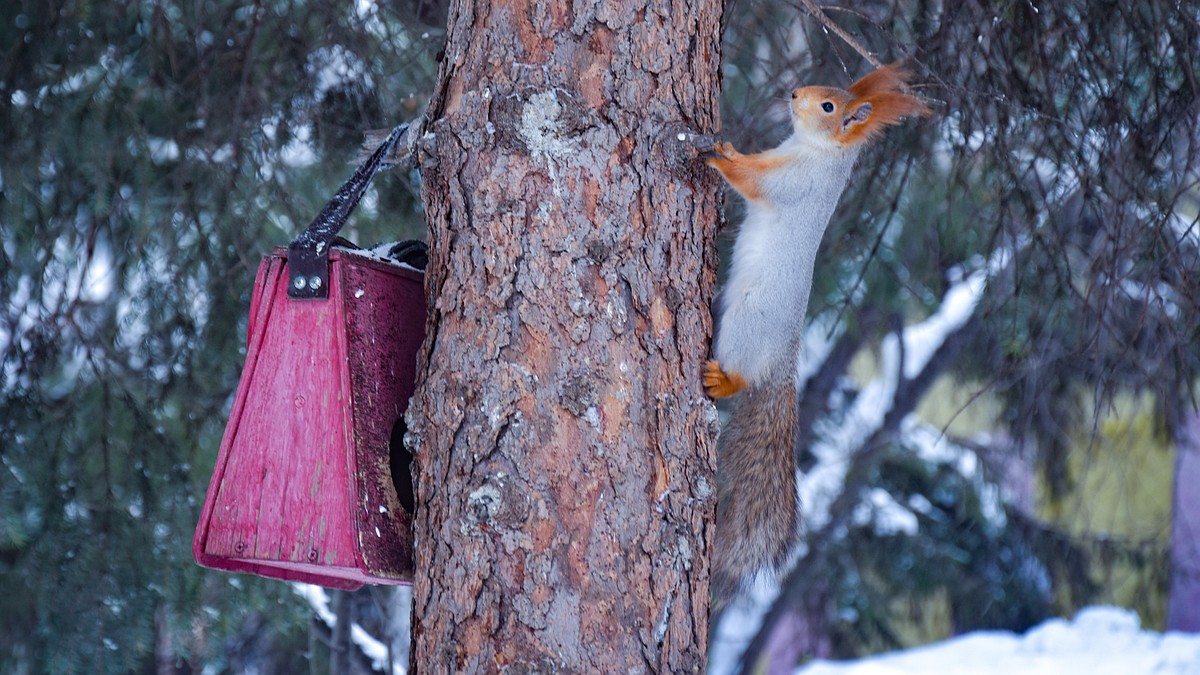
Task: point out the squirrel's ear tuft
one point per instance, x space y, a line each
886 101
891 77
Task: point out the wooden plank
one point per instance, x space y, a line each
284 495
385 328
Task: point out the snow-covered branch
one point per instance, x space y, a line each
371 647
841 437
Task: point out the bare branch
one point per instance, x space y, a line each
830 25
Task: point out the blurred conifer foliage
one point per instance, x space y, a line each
1064 163
150 153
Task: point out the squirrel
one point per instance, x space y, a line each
790 194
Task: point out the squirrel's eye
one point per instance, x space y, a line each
827 107
795 94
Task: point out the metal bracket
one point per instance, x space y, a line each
308 271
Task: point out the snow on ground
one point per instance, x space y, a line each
1099 641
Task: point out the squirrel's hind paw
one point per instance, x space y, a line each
720 384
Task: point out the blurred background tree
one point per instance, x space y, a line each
1004 336
150 153
1004 345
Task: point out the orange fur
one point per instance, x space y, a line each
744 171
884 90
806 107
720 384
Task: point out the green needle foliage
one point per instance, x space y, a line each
150 154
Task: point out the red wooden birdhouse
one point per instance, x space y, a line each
311 481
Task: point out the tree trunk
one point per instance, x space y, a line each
564 445
164 649
339 643
1183 607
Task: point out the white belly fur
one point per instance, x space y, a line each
761 309
762 306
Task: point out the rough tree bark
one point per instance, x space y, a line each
564 446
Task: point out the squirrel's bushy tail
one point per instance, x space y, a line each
756 486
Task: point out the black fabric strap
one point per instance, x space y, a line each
308 254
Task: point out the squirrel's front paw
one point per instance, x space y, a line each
717 151
726 150
720 384
720 154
